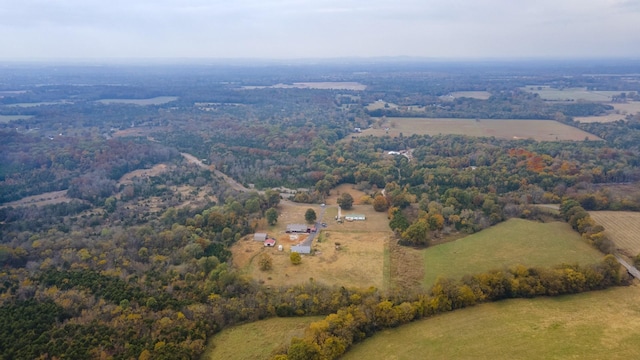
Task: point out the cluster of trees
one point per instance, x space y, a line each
331 337
581 221
88 167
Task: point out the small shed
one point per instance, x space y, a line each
301 249
297 228
355 217
260 236
270 242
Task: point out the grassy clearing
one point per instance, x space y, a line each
43 103
570 94
358 263
594 325
512 242
257 340
48 198
159 100
541 130
622 227
319 85
9 118
480 95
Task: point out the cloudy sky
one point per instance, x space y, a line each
80 29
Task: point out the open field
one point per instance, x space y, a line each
48 198
515 241
593 325
257 340
158 100
622 227
360 261
320 85
380 104
7 118
541 130
480 95
44 103
332 199
620 112
570 94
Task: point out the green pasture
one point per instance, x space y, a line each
256 340
594 325
515 241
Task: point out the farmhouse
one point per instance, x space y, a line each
260 236
301 249
297 228
270 242
354 217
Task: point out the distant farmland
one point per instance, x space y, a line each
541 130
143 102
620 112
570 94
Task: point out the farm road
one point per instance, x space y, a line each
630 268
234 184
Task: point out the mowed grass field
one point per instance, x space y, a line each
594 325
257 340
515 241
622 227
361 260
541 130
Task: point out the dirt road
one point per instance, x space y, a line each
234 184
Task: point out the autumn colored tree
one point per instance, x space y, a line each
417 233
380 203
265 262
345 200
272 216
310 216
295 258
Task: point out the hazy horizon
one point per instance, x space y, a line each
319 29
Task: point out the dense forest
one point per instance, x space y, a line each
139 267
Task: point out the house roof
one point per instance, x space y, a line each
301 249
297 227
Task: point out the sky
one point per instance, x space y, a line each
310 29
